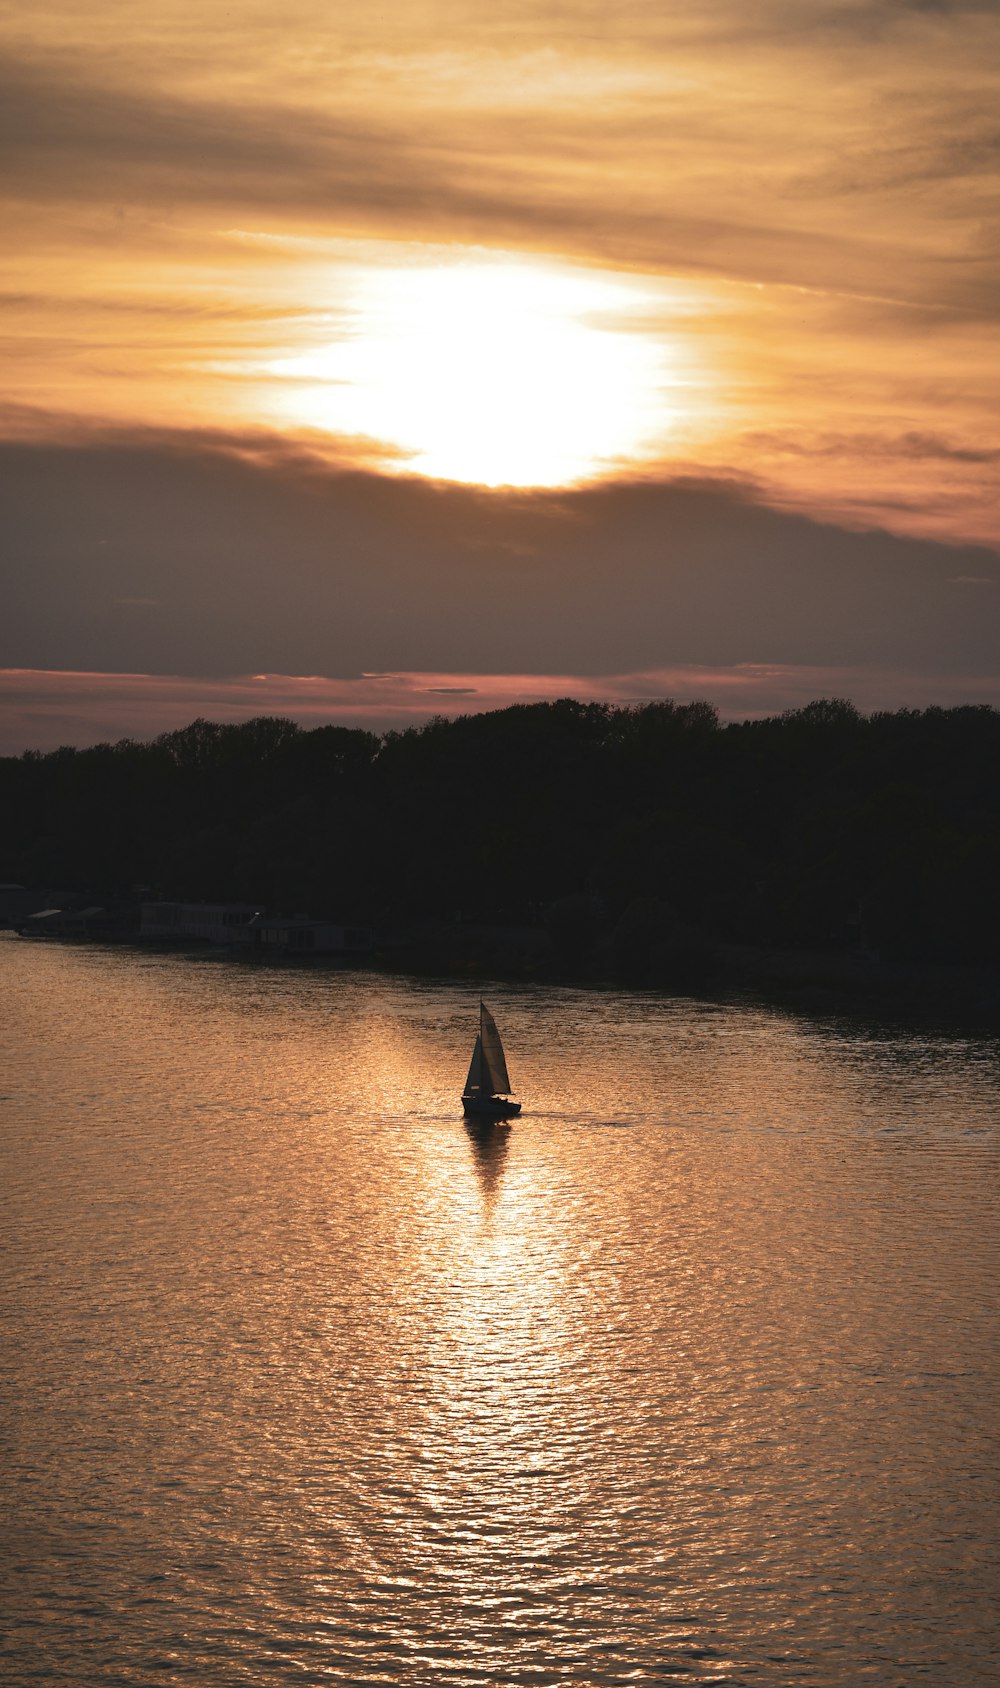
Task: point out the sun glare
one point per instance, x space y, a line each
499 373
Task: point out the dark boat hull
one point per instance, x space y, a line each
489 1107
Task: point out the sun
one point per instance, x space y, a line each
502 373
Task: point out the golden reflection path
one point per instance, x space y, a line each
690 1374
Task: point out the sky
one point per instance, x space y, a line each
362 363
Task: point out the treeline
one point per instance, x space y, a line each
645 828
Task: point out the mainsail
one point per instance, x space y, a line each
493 1056
488 1069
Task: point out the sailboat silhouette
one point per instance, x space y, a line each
487 1088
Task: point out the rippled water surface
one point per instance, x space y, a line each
690 1376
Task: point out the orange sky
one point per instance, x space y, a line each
518 243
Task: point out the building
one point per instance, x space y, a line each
95 922
206 923
244 925
299 936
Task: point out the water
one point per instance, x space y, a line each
687 1378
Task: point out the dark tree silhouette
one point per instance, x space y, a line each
647 833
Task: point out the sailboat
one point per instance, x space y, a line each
487 1088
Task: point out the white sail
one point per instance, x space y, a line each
493 1055
478 1081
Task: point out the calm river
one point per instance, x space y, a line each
689 1377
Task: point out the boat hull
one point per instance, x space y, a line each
490 1107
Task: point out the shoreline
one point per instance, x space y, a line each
924 995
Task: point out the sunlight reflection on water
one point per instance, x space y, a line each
689 1375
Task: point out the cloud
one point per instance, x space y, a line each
657 140
284 565
911 446
187 192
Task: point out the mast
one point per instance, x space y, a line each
487 1089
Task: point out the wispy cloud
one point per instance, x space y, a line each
813 188
913 446
714 141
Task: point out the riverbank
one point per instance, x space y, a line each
816 981
810 981
963 999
